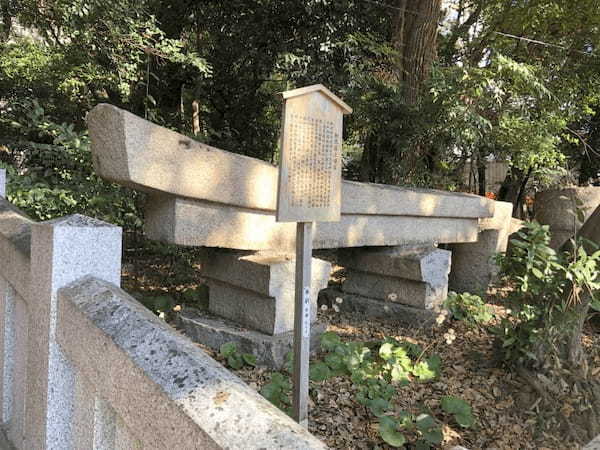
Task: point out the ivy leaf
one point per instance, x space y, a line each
319 371
227 349
595 305
388 430
386 351
425 422
249 359
378 406
329 340
235 361
399 374
460 409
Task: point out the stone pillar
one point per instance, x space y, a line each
473 268
556 207
3 183
62 251
254 291
407 283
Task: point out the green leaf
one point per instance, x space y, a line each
460 409
595 305
388 430
386 351
329 340
422 444
399 374
319 371
249 359
378 406
235 361
425 422
227 349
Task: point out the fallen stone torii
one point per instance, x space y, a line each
207 197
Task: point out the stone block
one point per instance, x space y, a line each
556 207
419 263
15 242
62 251
257 290
137 153
472 266
197 223
382 309
397 290
594 444
270 351
165 391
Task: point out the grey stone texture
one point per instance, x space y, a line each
197 223
385 309
62 251
257 290
472 266
594 444
557 207
407 283
134 152
15 241
270 351
164 390
3 183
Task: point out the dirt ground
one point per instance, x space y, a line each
507 412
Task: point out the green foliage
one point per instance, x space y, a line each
469 308
234 358
547 287
277 391
460 409
56 177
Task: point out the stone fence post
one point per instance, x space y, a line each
3 183
62 251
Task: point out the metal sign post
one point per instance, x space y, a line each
309 190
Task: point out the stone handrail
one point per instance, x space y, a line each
83 365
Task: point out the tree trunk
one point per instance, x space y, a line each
415 38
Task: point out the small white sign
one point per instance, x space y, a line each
306 312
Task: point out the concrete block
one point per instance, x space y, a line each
136 153
165 389
62 251
197 223
257 290
397 290
3 183
472 266
270 351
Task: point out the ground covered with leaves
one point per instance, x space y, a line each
506 413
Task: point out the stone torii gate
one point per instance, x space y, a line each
203 196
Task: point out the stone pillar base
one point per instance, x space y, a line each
270 350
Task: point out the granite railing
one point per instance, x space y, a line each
84 366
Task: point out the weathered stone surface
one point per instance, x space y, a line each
594 444
472 266
257 290
196 223
134 152
418 263
62 251
556 207
397 290
15 241
269 350
166 391
371 307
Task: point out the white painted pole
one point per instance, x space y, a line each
302 322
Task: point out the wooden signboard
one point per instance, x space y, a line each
310 174
310 184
